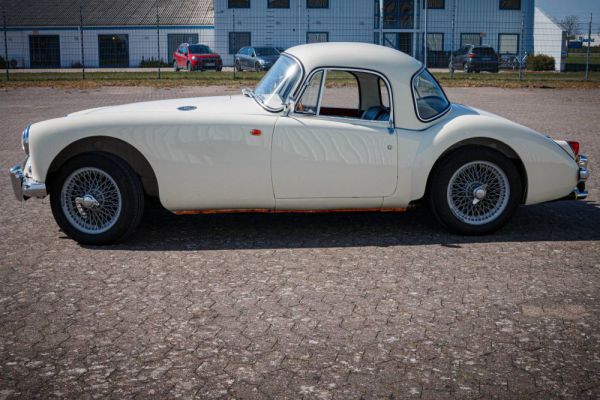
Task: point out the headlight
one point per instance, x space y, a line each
194 58
25 140
261 62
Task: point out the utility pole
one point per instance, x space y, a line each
381 23
452 41
158 40
5 48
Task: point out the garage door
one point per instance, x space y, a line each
44 51
113 51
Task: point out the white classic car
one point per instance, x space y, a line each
336 126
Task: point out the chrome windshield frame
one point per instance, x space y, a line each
292 92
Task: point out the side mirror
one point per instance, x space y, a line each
289 107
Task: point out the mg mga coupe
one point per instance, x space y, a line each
382 138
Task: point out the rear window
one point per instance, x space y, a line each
484 51
200 49
430 100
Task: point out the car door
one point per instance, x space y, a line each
319 156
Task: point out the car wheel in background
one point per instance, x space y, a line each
175 66
189 67
237 66
97 199
475 190
257 67
466 68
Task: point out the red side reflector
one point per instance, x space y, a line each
256 132
574 146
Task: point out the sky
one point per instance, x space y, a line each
561 8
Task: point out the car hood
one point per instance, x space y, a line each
238 104
204 55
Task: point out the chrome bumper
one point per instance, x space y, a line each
25 187
580 192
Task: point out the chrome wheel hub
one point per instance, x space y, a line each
478 192
91 200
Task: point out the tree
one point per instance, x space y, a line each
570 24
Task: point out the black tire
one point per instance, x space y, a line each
189 67
466 68
130 190
257 67
439 198
237 66
175 66
219 69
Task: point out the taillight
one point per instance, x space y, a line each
472 55
574 147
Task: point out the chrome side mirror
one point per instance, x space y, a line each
289 107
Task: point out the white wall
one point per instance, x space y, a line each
344 20
549 39
142 43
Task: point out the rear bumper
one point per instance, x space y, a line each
580 192
25 187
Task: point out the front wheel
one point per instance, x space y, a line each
175 66
475 191
257 67
97 199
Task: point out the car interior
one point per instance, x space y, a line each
346 94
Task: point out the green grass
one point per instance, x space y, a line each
250 79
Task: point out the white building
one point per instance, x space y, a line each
550 39
506 25
116 33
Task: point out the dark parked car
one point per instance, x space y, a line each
196 57
471 58
256 58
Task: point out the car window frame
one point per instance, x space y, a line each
392 120
415 105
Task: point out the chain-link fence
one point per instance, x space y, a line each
137 39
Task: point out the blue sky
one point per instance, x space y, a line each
582 8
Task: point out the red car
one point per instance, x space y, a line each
196 57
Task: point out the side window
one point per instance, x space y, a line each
341 95
430 100
309 102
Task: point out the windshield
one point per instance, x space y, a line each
200 49
266 51
276 86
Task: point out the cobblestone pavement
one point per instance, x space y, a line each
303 306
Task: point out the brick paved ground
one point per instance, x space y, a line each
303 306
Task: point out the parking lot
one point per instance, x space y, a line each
341 306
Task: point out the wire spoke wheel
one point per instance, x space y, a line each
91 200
478 192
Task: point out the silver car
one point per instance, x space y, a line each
256 58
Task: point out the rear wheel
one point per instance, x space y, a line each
257 67
189 67
97 199
466 68
475 190
237 66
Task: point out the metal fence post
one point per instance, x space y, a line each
452 47
382 42
587 62
521 57
158 40
5 48
234 43
425 34
81 41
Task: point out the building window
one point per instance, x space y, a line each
113 51
278 3
470 38
435 42
237 40
510 4
435 4
317 37
508 43
238 3
398 40
317 3
398 14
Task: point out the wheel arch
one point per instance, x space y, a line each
490 143
117 147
